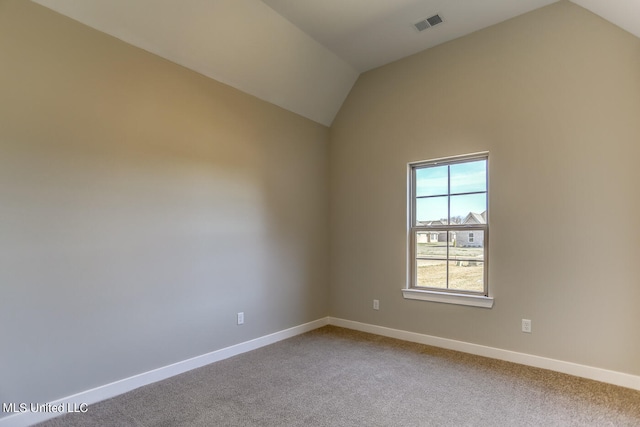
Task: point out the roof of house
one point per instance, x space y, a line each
431 223
471 218
479 218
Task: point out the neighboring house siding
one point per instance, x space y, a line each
475 238
464 239
434 236
425 237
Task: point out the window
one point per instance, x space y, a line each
449 230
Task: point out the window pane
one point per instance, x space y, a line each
466 276
447 256
432 244
432 181
467 244
431 209
463 206
431 274
469 177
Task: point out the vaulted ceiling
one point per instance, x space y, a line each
303 56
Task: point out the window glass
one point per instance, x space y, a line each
463 206
466 276
468 177
432 274
432 209
449 226
432 181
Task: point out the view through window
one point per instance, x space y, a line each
449 227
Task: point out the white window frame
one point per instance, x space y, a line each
468 298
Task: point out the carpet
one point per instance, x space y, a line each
338 377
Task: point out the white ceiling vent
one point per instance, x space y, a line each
428 23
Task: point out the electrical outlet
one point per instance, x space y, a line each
376 304
526 326
240 318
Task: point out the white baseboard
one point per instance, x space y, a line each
113 389
27 418
598 374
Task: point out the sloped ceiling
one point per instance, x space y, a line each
303 56
623 13
370 33
242 43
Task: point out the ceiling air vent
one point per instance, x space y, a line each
428 23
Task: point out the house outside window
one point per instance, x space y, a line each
449 199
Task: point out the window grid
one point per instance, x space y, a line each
449 228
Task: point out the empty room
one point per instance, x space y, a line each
319 213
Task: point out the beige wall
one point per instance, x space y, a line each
141 206
554 96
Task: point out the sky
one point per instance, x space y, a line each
432 190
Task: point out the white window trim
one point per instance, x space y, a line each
472 300
448 298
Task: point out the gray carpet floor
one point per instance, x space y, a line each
338 377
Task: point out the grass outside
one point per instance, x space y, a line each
440 250
463 275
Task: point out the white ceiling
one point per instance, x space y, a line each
370 33
623 13
302 55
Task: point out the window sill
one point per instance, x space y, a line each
447 298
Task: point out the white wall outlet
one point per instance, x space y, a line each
526 326
376 304
240 318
